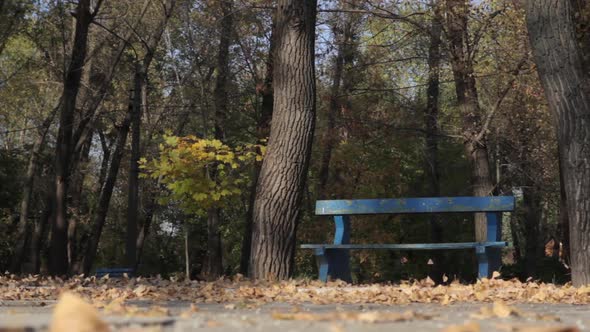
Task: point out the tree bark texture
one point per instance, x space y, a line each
476 150
59 232
562 62
284 169
563 228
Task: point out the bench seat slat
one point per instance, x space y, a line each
408 246
415 205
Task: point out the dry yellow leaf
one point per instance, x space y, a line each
467 327
73 314
501 310
446 300
544 329
365 317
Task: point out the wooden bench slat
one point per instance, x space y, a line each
408 246
415 205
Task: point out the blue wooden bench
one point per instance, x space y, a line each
114 272
334 259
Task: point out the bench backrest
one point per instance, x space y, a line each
415 205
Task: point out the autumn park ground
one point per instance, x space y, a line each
87 304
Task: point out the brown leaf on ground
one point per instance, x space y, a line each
536 328
190 311
365 317
252 294
467 327
501 310
73 314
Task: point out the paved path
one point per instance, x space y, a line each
219 317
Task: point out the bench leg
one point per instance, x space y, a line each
339 264
494 233
323 264
483 266
333 263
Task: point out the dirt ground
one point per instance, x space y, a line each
36 316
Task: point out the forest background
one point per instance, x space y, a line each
162 141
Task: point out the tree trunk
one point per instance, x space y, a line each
78 205
139 85
532 209
432 135
476 149
341 84
213 267
187 266
145 227
106 192
563 228
39 233
262 132
561 56
284 169
139 108
59 237
29 184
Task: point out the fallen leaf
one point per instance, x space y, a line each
501 310
73 314
533 328
467 327
365 317
190 311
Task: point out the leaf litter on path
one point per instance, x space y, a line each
365 317
113 296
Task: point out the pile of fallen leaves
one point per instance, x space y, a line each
108 292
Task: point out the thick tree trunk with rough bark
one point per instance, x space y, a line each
561 54
59 232
563 228
284 169
462 65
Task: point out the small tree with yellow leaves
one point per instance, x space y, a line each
201 173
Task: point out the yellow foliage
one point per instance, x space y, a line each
202 173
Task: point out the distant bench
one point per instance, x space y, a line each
334 259
114 272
